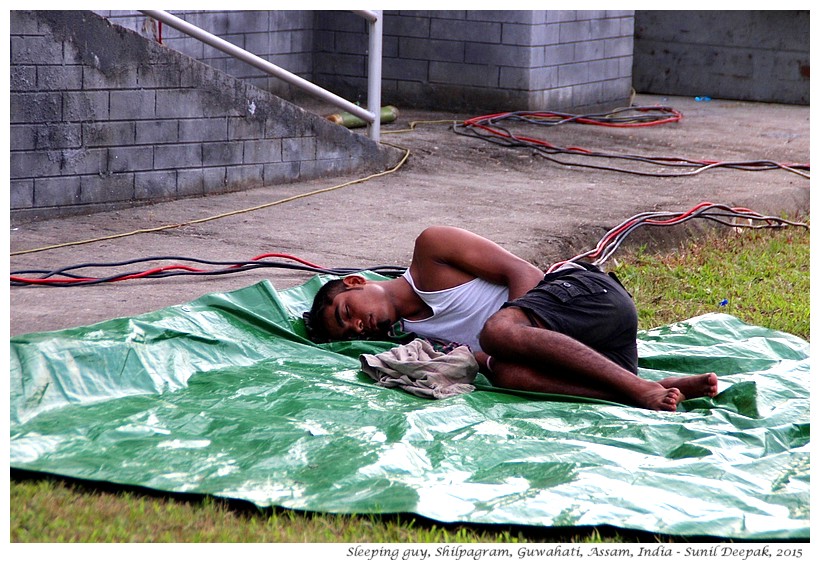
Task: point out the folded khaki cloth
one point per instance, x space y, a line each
423 371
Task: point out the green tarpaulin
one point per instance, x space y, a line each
224 396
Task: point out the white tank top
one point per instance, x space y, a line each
459 313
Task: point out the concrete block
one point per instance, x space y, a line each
244 21
291 20
22 23
502 55
21 194
180 103
214 180
605 69
109 133
155 185
543 78
515 78
22 138
59 77
156 132
464 74
36 107
591 50
222 153
85 106
517 34
280 173
405 69
240 128
265 44
58 136
190 182
262 151
56 191
244 177
343 65
500 16
83 161
107 188
350 43
36 49
431 49
561 16
93 79
189 46
29 164
575 31
560 54
130 158
203 130
188 155
618 47
572 74
132 104
23 78
299 148
410 25
483 32
606 27
331 21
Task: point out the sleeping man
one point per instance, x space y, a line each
572 331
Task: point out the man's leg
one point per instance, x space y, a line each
536 359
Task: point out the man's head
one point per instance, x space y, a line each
351 308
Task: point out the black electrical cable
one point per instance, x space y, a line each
488 128
70 276
714 212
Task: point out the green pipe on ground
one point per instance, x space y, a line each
388 114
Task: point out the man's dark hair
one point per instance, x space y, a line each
316 328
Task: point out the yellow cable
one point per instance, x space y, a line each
228 214
414 123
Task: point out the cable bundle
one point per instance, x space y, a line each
70 276
490 128
718 213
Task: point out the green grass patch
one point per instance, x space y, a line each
761 277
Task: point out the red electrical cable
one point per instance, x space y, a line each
614 233
488 123
150 272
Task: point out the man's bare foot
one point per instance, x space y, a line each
662 399
693 386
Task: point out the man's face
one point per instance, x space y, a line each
362 311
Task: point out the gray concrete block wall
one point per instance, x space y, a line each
495 60
102 117
444 59
283 37
742 55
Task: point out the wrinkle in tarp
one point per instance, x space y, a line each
226 396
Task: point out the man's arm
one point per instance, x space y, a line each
448 256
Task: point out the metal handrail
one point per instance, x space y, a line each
371 116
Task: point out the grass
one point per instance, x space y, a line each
761 277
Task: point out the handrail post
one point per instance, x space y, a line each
374 74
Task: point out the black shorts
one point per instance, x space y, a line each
589 306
